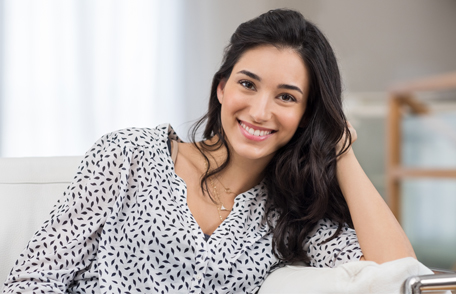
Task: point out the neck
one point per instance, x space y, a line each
241 174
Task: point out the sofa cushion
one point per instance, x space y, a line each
359 277
29 188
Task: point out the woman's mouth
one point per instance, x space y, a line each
259 133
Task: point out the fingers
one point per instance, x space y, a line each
353 132
342 143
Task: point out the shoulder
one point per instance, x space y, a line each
132 138
328 250
122 144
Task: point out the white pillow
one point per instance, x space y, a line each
355 277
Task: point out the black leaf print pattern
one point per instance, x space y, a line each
123 226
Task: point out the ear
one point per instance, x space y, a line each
221 90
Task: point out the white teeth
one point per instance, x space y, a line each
254 132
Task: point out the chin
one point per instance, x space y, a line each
248 153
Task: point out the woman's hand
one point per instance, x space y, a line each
353 136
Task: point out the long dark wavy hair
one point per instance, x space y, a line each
301 178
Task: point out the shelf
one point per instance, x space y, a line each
402 101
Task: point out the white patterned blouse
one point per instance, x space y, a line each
123 226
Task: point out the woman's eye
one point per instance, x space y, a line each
287 98
247 84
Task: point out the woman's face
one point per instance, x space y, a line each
263 101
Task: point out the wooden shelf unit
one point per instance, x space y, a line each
401 100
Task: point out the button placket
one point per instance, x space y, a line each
200 263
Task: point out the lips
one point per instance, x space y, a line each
255 131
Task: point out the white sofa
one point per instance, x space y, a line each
29 187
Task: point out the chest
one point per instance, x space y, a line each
153 229
204 209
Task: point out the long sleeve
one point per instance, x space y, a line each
344 248
65 246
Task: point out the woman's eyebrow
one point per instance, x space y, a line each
281 86
290 87
250 74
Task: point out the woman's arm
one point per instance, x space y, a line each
380 236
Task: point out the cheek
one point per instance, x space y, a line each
233 102
292 119
230 107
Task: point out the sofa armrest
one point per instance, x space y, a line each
29 188
416 284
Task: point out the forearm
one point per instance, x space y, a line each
380 236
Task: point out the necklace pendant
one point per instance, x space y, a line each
223 208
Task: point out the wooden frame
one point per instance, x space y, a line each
402 99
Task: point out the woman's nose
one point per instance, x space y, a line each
260 109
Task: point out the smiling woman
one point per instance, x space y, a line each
273 181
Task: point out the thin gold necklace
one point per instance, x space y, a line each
227 190
214 187
219 205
